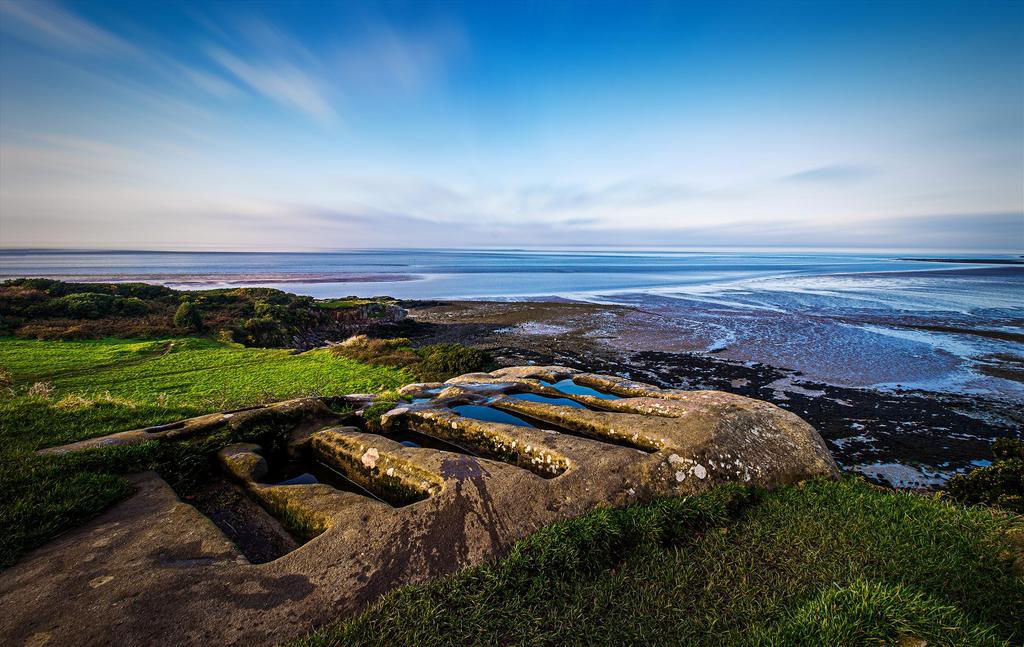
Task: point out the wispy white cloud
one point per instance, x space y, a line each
281 82
407 61
192 78
67 36
833 173
256 54
313 80
548 198
50 25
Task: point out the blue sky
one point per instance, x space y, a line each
291 125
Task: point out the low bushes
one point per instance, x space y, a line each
93 305
431 363
442 361
262 317
999 484
187 316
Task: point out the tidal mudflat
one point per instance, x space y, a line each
903 435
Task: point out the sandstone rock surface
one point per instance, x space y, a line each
456 475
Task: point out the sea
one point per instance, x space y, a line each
873 320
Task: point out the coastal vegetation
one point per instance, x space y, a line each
262 317
999 484
429 363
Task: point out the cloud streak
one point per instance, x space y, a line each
50 25
407 61
833 173
282 83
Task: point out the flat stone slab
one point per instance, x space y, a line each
529 446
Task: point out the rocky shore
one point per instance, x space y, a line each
899 437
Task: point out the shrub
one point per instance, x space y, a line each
266 310
88 305
150 326
49 309
381 352
130 306
143 291
94 305
263 332
435 362
999 484
187 316
442 361
1006 449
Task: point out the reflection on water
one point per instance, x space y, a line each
533 397
568 386
307 471
487 414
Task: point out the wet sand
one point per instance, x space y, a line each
900 437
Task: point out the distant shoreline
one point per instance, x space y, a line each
234 280
976 261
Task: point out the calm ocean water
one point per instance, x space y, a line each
840 317
454 274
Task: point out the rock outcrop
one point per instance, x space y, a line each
333 324
454 477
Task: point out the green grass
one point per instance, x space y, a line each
98 387
344 304
828 563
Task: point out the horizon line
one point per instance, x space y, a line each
519 248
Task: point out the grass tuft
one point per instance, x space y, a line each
872 613
825 563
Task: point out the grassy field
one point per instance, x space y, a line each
66 391
827 563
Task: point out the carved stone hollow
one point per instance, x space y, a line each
452 477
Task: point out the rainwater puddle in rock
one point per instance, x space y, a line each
543 399
487 414
416 439
570 387
309 472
